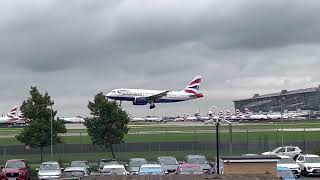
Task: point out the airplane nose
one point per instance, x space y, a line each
108 94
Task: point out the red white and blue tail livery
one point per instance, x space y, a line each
144 97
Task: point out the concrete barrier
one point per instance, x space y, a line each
183 177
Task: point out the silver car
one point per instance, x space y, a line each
168 163
49 170
198 159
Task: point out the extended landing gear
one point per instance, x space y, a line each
152 106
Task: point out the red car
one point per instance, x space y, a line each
189 169
17 169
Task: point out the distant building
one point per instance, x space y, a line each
295 100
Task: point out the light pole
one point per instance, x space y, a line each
282 99
51 147
217 143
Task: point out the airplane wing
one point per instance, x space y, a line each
156 97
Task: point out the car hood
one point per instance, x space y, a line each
313 165
290 166
13 170
49 173
169 166
205 166
133 168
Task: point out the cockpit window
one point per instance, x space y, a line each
113 91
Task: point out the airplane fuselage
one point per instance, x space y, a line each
136 94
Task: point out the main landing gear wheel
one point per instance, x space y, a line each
152 106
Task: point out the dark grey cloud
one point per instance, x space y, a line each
74 49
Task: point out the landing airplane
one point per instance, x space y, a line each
144 97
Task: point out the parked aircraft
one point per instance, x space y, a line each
77 119
135 119
10 117
144 97
250 116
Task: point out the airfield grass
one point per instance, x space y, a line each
141 127
193 137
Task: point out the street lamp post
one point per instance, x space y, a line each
51 147
217 144
282 99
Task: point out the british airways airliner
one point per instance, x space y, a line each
144 97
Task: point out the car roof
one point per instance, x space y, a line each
163 157
75 169
113 166
137 159
188 165
195 156
150 165
80 161
16 160
50 162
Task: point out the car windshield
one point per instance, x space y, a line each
168 161
49 167
199 160
78 164
73 173
138 163
285 174
313 159
15 164
115 171
286 161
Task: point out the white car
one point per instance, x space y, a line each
285 150
75 172
309 164
49 170
114 169
287 161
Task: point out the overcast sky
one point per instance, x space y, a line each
74 49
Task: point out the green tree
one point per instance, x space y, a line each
108 124
37 108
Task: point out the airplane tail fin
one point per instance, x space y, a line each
248 112
228 113
193 87
13 112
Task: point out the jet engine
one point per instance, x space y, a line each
140 101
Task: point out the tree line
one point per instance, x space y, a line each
107 126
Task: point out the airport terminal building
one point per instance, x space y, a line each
295 100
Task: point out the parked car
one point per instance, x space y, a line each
104 162
287 161
134 164
198 159
309 164
114 169
16 169
84 164
70 172
189 169
49 170
285 173
285 150
151 169
168 163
